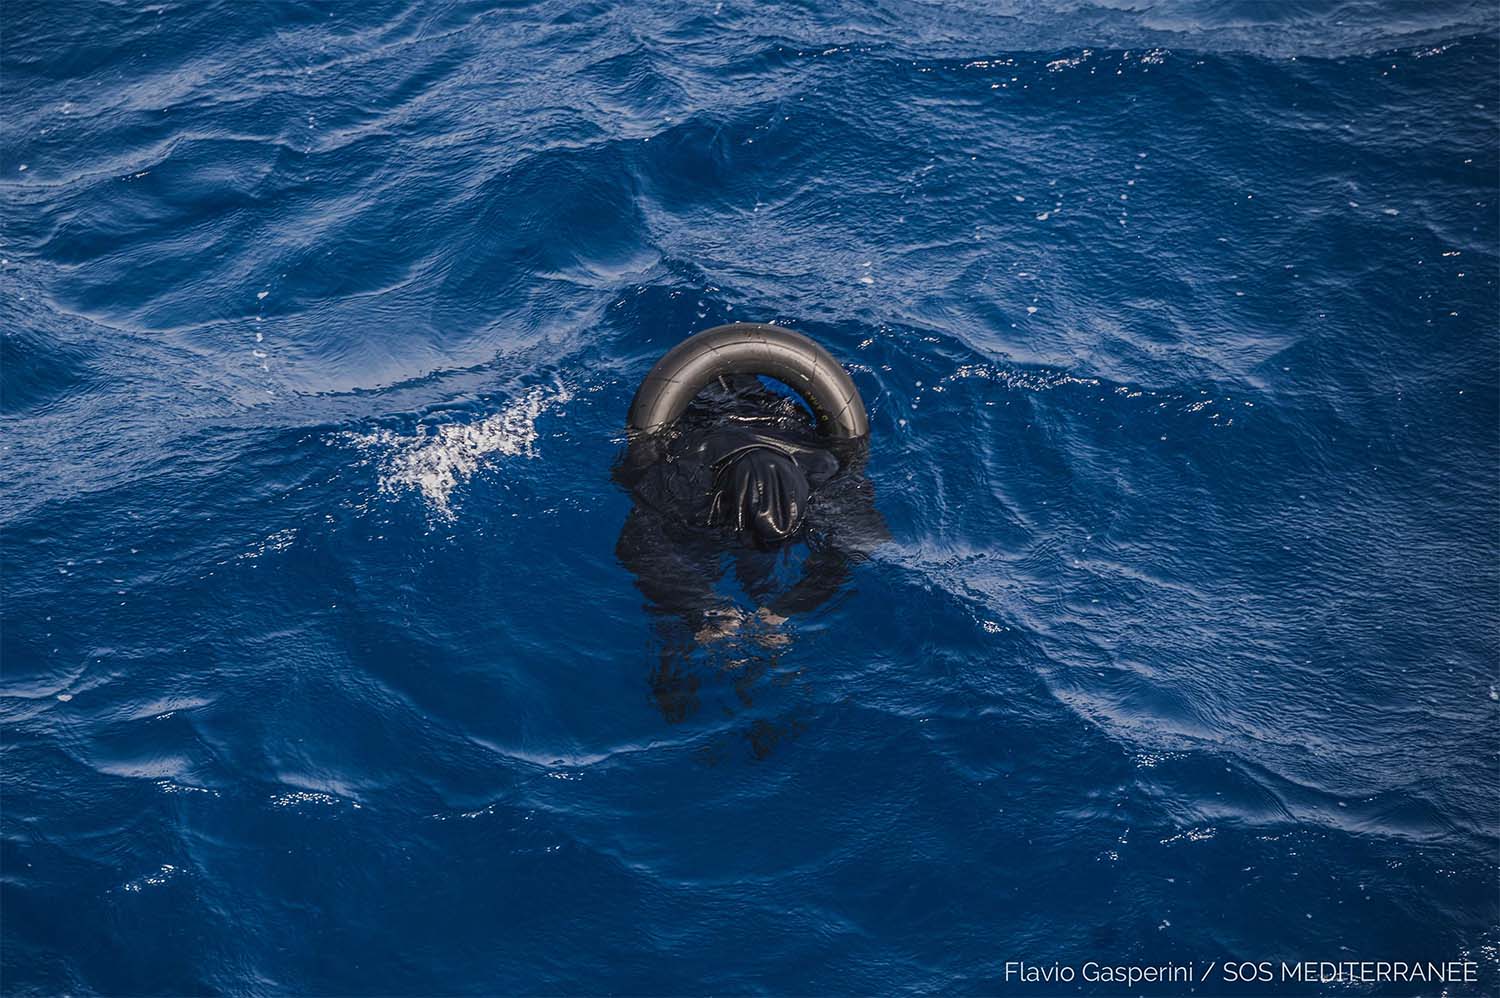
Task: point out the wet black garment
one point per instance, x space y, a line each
760 492
744 477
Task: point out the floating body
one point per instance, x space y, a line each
720 465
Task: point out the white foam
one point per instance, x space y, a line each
279 541
161 876
1034 381
1190 835
435 461
1058 65
299 797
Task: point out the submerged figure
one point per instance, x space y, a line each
726 472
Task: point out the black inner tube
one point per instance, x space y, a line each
750 348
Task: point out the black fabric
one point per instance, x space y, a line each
744 479
741 488
761 494
695 460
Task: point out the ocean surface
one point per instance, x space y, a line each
1178 326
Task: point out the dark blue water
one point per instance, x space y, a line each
1178 326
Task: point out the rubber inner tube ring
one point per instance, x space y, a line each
750 348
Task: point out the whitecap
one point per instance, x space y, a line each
436 461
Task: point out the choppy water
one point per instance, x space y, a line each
1178 325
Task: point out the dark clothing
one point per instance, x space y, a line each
744 474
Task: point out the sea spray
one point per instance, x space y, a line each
434 461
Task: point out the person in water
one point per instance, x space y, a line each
745 478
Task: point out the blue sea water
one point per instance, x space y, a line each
1177 322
